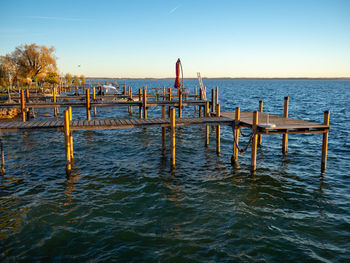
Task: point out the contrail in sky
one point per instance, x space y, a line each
174 9
54 18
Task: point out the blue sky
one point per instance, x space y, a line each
222 38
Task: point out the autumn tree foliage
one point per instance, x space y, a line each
29 62
68 78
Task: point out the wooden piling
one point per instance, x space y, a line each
144 101
70 134
325 143
195 98
170 94
236 135
254 140
216 95
94 99
218 146
130 98
200 107
124 89
180 103
88 116
27 95
206 127
2 159
285 135
212 104
55 111
67 142
260 110
163 133
23 106
172 136
27 101
140 107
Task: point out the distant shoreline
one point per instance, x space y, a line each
223 78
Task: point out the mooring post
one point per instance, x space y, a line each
164 93
180 103
2 158
124 89
207 126
55 111
254 140
260 110
23 106
218 148
67 142
27 101
285 135
27 95
145 102
170 94
130 99
200 106
88 116
216 95
325 142
94 99
212 104
195 98
172 136
234 158
163 133
140 101
70 134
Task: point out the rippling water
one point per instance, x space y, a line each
123 203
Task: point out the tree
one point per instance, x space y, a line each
52 77
82 79
76 80
34 60
68 78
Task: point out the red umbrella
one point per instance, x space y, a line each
177 84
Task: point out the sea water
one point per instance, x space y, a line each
123 203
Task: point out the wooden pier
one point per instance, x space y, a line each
259 122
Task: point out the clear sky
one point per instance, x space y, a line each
219 38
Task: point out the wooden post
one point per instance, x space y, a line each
236 135
260 110
218 150
170 94
88 116
67 142
70 134
164 93
180 103
124 90
27 95
325 143
200 107
27 101
254 141
55 100
23 106
145 102
130 98
285 136
216 95
212 105
2 159
195 98
172 136
206 127
163 133
94 99
140 107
